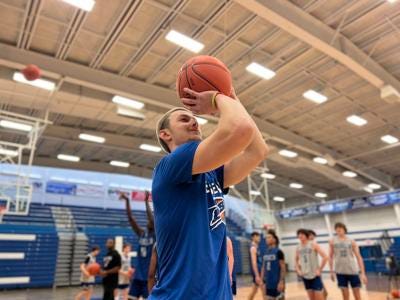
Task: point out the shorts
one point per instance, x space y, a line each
344 281
233 287
123 286
139 288
87 285
272 292
314 284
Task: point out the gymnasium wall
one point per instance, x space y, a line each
364 225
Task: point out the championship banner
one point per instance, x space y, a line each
61 188
88 190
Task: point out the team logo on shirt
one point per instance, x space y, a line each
217 210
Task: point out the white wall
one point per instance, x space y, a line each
364 225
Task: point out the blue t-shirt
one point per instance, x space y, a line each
146 242
190 229
272 267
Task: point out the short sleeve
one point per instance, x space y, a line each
117 258
177 167
281 256
220 177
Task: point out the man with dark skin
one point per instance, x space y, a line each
111 267
146 241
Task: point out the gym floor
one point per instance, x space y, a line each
377 290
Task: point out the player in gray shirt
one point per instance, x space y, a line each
308 266
346 260
125 273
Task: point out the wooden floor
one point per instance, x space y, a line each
295 291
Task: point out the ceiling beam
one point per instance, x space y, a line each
314 32
158 96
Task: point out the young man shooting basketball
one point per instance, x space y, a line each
188 186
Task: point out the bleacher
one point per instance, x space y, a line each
38 215
40 254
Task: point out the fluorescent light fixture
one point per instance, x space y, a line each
374 186
255 193
184 41
349 174
150 148
279 199
288 153
127 102
92 138
356 120
267 175
201 121
15 125
131 113
367 189
7 152
121 164
315 96
321 195
68 157
40 83
389 139
82 4
320 160
231 186
295 185
260 71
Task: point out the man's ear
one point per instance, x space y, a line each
165 135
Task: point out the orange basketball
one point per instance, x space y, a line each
204 73
31 72
94 269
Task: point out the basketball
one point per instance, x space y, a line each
204 73
395 294
31 72
94 269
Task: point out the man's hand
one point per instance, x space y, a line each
147 196
333 276
318 272
123 196
258 280
364 279
103 273
281 286
200 103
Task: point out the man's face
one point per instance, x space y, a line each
270 240
96 252
110 244
127 249
311 237
183 127
340 231
302 237
256 238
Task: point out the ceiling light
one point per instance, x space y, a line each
349 174
320 160
82 4
390 139
7 152
374 186
321 195
279 199
267 175
231 186
288 153
255 193
15 125
367 189
315 96
68 157
296 185
260 71
131 113
356 120
184 41
40 83
201 121
91 138
117 163
150 148
127 102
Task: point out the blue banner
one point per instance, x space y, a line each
62 188
382 199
